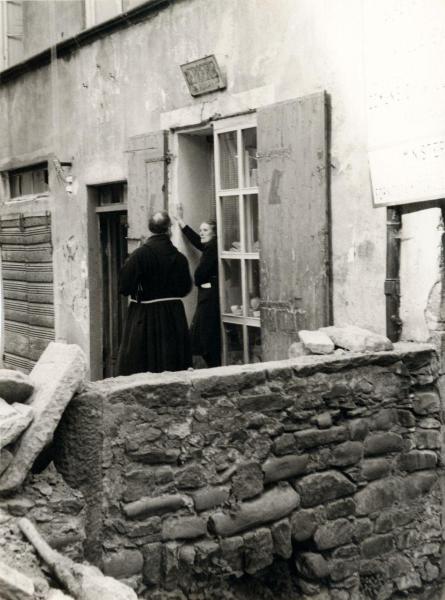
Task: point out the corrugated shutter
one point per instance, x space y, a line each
27 276
294 223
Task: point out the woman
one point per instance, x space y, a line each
205 329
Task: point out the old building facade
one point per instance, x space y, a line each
271 116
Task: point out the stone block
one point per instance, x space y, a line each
303 524
5 459
210 497
15 585
55 594
426 403
378 495
154 506
341 569
377 546
429 423
427 438
333 534
271 506
56 377
357 339
405 418
285 444
417 460
123 563
316 342
319 488
347 453
258 550
323 420
362 529
383 443
247 482
418 484
312 565
183 528
358 429
311 438
170 561
375 468
340 508
409 582
14 419
272 401
15 386
284 467
232 551
190 478
282 538
151 455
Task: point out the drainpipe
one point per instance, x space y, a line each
392 281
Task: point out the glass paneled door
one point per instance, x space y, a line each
236 179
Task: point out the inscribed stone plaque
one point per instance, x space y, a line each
203 76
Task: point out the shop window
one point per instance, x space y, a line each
28 181
11 32
239 247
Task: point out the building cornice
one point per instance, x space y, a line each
86 36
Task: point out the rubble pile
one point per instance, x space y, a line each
31 407
338 340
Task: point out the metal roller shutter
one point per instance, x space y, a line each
27 276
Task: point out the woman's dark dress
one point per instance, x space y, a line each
156 336
205 329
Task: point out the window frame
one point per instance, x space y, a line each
238 124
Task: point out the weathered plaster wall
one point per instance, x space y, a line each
313 476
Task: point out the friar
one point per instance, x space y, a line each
156 276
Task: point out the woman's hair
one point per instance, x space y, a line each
212 224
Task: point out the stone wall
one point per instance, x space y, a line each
317 476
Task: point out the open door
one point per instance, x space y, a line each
294 221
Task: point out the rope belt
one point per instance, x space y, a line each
153 301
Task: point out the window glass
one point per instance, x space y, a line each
228 160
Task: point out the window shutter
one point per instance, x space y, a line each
294 226
27 278
147 182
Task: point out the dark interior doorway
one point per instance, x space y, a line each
113 232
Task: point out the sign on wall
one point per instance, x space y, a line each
405 92
203 76
408 172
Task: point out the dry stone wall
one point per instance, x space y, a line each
317 476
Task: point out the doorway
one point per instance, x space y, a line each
108 251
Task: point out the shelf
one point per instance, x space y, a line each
240 320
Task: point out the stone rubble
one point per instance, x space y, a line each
14 419
15 386
15 585
56 377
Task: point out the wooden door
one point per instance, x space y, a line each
294 224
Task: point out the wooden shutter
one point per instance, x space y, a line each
294 226
27 279
147 182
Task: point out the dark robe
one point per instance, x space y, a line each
206 329
156 336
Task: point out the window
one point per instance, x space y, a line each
28 180
238 240
11 32
97 11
